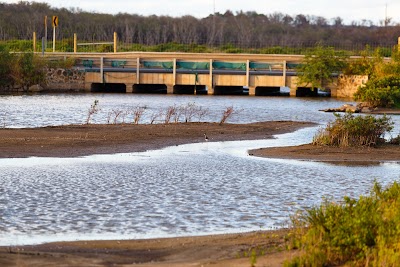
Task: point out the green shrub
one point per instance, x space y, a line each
23 69
20 45
31 70
7 60
383 86
363 232
365 64
383 92
353 131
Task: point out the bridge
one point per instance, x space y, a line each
196 73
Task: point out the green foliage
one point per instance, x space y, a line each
19 45
319 65
353 131
6 62
23 69
380 92
31 70
365 64
362 232
383 86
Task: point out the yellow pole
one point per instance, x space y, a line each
34 41
75 45
115 42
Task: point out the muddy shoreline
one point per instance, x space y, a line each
84 140
309 152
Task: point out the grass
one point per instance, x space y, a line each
353 232
354 131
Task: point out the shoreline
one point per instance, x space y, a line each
333 155
215 250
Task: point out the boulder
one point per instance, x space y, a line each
35 88
344 108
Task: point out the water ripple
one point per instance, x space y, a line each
181 190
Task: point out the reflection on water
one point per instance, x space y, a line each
181 190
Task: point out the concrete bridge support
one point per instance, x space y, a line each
129 87
252 90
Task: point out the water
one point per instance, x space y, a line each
183 190
44 110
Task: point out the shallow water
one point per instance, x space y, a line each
182 190
190 189
44 110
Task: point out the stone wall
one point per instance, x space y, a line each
348 85
65 80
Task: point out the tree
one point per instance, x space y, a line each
319 65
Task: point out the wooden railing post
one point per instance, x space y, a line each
115 42
34 41
284 73
75 43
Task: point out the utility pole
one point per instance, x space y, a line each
214 7
386 18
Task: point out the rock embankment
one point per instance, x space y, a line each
358 108
65 79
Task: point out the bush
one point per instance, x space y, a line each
24 69
353 131
383 87
31 69
361 232
383 92
6 65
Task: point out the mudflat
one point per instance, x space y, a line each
356 155
211 250
83 140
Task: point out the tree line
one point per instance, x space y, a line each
240 29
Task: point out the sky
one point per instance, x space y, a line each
348 10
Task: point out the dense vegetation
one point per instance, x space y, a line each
383 86
352 131
228 32
356 232
20 70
